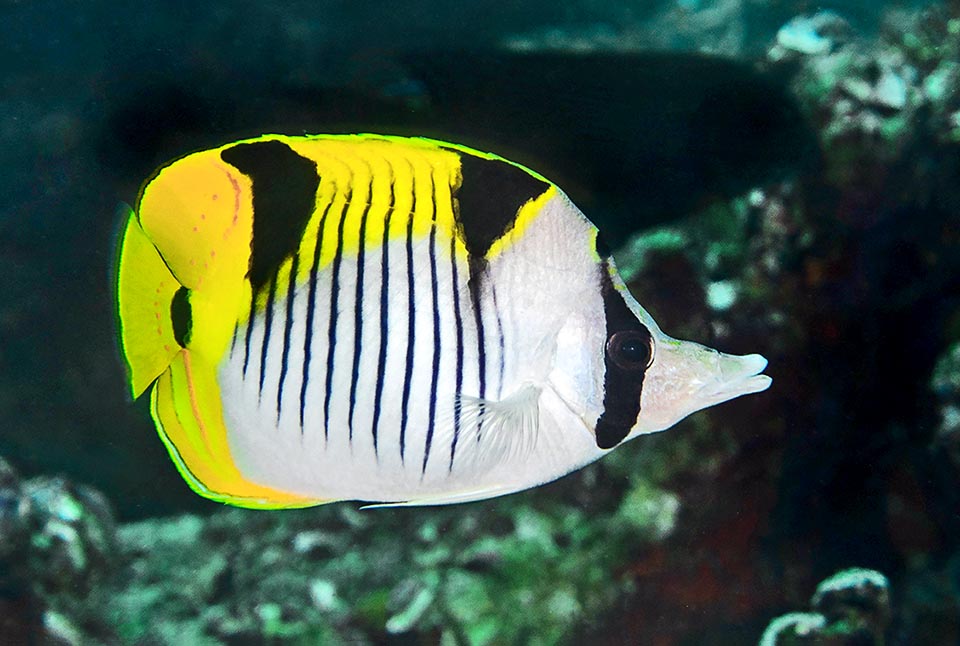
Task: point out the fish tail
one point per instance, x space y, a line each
147 307
165 348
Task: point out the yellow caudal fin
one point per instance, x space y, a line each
146 291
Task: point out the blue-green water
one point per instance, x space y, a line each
774 180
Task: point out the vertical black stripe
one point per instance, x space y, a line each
233 341
287 329
458 404
311 303
481 348
500 341
246 338
384 314
476 270
334 314
500 353
411 319
358 309
267 324
435 308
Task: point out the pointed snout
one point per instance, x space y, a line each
686 377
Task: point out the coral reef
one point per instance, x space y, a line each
531 573
57 551
851 608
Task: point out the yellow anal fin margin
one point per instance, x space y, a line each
185 404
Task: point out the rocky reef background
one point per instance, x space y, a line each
824 511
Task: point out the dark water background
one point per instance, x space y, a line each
842 464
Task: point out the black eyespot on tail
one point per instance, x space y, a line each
628 354
284 197
181 316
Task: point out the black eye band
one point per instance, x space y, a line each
628 354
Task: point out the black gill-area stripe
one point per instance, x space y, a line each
287 330
458 324
358 309
334 304
311 306
621 388
411 321
284 197
384 313
435 308
267 325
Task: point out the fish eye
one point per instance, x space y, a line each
631 350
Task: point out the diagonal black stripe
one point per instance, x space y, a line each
358 310
384 313
311 303
457 406
334 314
435 307
411 321
267 324
287 329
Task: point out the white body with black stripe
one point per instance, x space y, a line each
436 326
547 430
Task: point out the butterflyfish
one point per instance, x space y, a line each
394 320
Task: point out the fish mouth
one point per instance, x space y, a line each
735 376
686 377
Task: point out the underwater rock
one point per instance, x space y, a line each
57 547
876 103
945 384
851 608
818 34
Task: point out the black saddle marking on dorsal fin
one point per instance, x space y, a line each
284 197
489 197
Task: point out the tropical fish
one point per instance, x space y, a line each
387 319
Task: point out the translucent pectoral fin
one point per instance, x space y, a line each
490 432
